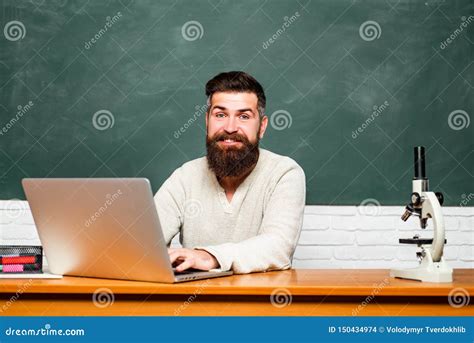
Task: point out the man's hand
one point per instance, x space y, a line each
192 258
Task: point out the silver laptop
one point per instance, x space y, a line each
103 227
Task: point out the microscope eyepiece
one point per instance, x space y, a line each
420 173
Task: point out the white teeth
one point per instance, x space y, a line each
229 141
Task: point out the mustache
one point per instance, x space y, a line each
233 136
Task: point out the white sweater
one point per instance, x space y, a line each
257 231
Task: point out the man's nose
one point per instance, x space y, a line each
231 125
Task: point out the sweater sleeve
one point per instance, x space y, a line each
273 247
169 202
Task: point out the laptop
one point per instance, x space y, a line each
105 228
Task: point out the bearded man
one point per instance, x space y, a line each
240 207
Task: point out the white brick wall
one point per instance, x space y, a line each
332 236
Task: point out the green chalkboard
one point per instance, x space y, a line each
116 88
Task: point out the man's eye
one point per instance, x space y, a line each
220 115
244 116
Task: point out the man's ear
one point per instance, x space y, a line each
263 125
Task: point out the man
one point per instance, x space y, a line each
240 207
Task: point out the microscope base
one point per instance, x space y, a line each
427 271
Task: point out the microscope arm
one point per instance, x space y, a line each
432 209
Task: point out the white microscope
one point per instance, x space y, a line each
425 204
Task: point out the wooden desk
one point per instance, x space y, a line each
302 292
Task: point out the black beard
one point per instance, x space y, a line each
231 161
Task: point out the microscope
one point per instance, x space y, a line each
425 204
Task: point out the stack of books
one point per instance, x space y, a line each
21 259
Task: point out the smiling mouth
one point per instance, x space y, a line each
227 139
229 142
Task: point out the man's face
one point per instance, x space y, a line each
234 129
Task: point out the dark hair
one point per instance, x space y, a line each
237 81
